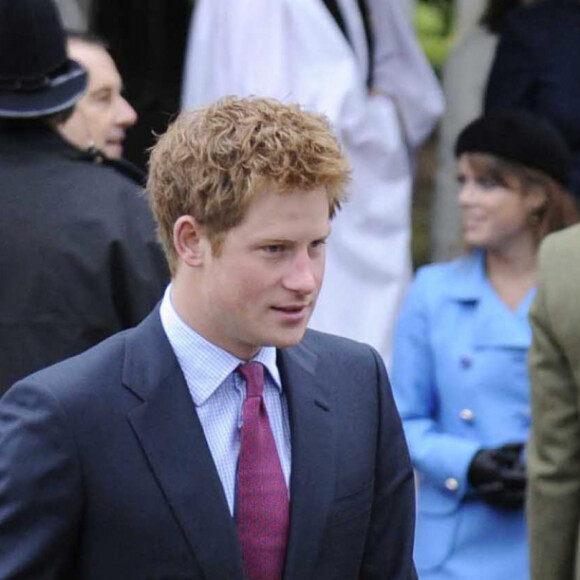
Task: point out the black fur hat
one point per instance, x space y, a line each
519 136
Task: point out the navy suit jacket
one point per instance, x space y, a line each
105 472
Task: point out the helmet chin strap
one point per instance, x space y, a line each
95 153
91 149
92 153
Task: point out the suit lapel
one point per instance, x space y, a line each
312 423
172 439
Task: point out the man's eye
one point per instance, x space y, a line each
274 248
317 244
102 97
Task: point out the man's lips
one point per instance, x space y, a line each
116 138
292 309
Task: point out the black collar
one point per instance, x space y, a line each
334 10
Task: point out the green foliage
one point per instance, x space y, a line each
434 26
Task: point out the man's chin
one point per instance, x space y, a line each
285 340
113 150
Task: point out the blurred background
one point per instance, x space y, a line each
147 39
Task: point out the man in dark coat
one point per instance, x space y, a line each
534 70
78 254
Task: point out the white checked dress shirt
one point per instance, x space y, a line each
218 393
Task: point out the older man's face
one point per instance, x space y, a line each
102 115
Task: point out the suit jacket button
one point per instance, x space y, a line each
452 484
467 415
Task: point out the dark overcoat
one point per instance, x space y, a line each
535 68
79 259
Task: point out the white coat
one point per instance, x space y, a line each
293 50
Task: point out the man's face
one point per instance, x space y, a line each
261 287
102 115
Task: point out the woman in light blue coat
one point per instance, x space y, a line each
459 361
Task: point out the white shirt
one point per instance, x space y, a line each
218 393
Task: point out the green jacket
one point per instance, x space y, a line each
554 449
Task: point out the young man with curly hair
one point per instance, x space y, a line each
219 439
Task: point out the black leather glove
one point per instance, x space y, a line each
499 476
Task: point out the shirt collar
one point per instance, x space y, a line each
205 365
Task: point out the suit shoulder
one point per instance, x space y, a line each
539 14
568 238
87 178
539 25
83 373
109 193
353 369
337 348
559 251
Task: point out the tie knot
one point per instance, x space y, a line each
253 372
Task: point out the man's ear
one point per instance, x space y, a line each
190 241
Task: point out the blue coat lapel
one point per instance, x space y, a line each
172 439
494 325
312 423
497 326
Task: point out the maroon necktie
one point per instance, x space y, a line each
262 496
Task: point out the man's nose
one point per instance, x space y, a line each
304 274
126 114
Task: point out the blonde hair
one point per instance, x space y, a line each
212 162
